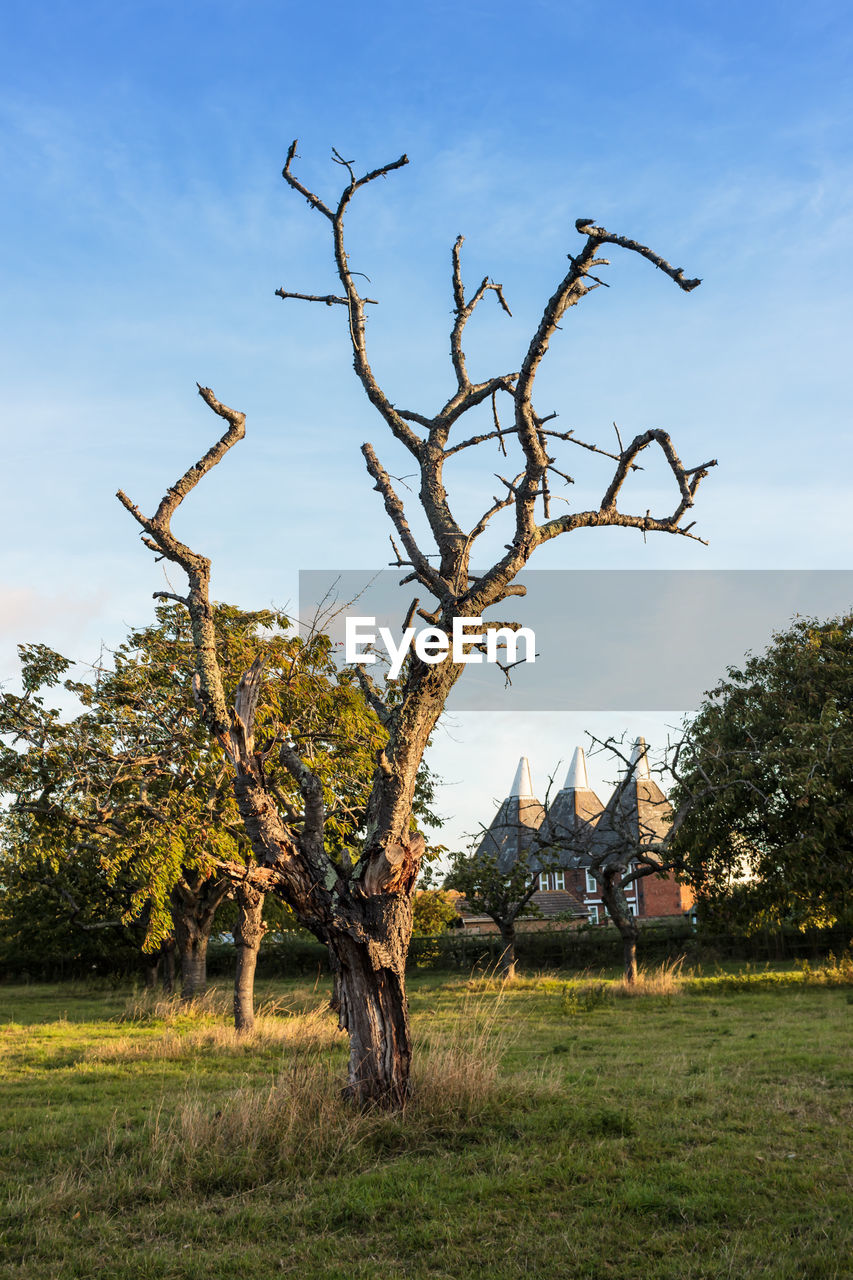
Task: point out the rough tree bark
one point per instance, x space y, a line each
248 933
359 905
194 902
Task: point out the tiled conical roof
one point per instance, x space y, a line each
571 816
511 831
638 814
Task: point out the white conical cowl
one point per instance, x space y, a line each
576 778
639 760
522 785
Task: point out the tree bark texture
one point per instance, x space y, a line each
248 933
152 968
368 962
167 973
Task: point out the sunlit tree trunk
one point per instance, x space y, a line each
248 933
370 999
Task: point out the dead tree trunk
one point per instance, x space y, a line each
194 903
613 897
359 904
248 933
369 963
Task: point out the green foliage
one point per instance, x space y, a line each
576 999
433 911
501 894
63 918
135 775
771 840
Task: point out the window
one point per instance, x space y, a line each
591 884
543 881
593 914
559 880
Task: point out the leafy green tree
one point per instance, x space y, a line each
768 763
503 893
433 912
137 774
61 917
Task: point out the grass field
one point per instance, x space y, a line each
559 1129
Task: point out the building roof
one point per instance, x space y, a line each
511 831
577 827
522 785
552 903
559 902
637 813
568 825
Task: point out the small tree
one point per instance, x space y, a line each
433 912
771 752
631 839
137 775
626 841
358 900
503 893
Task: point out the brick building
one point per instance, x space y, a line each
576 830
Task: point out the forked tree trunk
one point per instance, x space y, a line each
507 959
368 962
616 903
194 902
248 932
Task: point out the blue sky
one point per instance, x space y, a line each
146 227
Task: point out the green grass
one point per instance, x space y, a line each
700 1132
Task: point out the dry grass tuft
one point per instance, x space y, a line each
301 1122
314 1031
152 1006
665 980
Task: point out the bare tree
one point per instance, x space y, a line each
359 905
504 893
631 839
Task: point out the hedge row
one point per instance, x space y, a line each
299 955
592 948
